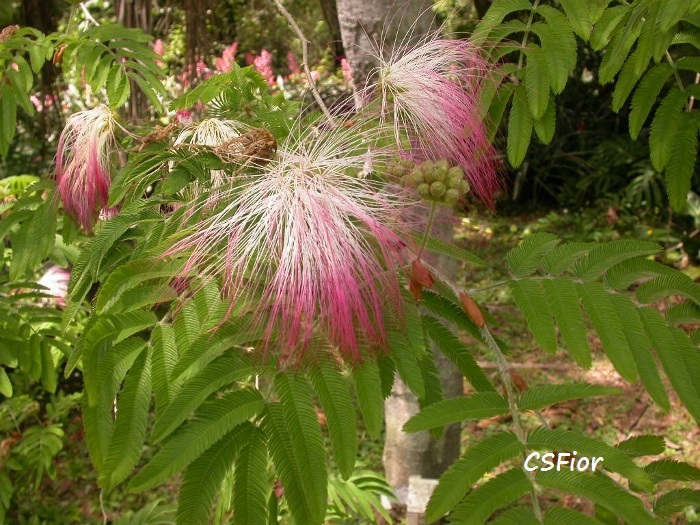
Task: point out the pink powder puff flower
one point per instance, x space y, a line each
224 64
431 92
309 246
263 64
293 64
56 279
158 49
82 164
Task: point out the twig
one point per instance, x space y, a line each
87 14
305 58
504 367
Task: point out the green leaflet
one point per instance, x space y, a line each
579 14
164 358
666 468
606 320
679 358
520 124
527 257
437 245
212 421
368 387
202 480
606 26
128 276
516 516
620 44
539 397
546 126
449 310
478 460
407 348
457 352
666 123
33 240
496 493
536 81
220 373
640 346
250 485
130 425
334 396
625 274
564 304
599 489
105 379
560 258
495 15
476 406
562 516
604 256
644 445
94 255
296 447
530 298
681 161
646 95
670 13
675 501
558 44
614 460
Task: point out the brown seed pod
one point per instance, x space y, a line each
420 278
7 32
258 146
58 55
472 309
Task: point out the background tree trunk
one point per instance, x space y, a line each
366 26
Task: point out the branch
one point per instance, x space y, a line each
305 58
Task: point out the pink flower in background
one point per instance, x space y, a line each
347 72
184 117
431 93
82 163
36 102
309 246
224 64
56 279
293 63
263 63
158 49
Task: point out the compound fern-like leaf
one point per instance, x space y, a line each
479 459
250 482
486 499
202 480
476 406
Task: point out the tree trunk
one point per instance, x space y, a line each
368 26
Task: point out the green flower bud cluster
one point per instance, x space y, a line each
437 181
400 168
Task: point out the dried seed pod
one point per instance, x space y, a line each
472 309
8 31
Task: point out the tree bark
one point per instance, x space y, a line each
368 26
